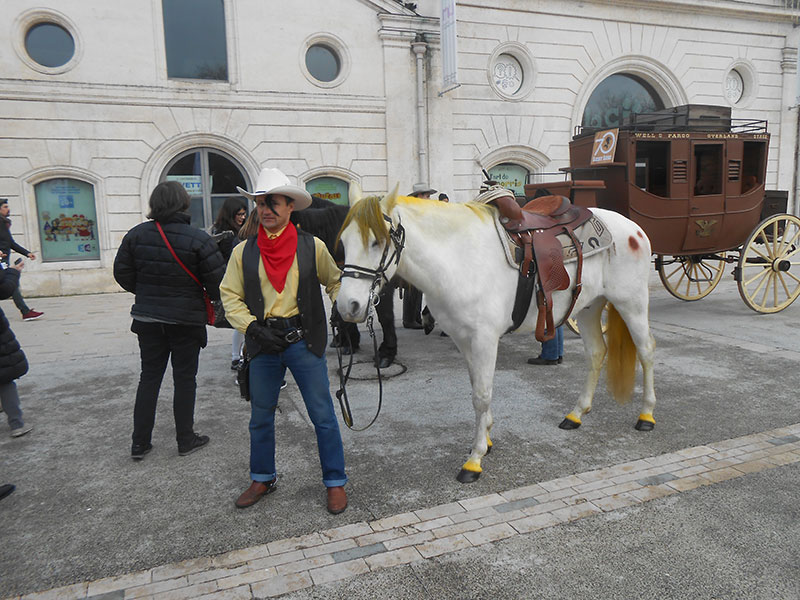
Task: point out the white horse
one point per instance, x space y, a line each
452 252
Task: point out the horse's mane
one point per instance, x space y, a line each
368 215
482 211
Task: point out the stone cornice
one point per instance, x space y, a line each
122 95
717 8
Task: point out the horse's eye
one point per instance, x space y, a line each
375 243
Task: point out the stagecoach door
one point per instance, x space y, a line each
706 196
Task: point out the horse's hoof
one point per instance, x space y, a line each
642 425
568 424
465 476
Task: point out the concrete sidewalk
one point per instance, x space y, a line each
84 512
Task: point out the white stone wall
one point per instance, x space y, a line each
116 120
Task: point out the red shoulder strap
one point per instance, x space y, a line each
175 256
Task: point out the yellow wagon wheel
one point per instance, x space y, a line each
769 266
572 323
691 277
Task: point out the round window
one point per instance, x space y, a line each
49 44
323 63
507 74
734 86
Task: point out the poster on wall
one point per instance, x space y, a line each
329 188
510 176
67 220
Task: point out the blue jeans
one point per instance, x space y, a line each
311 374
554 349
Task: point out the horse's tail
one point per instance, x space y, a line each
621 369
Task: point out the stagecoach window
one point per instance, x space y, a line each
734 86
651 167
194 37
708 169
322 62
617 98
210 177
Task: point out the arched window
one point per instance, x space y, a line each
330 188
616 98
510 176
67 219
210 177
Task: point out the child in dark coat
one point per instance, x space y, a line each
13 363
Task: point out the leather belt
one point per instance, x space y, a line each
284 323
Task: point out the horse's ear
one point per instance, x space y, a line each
354 193
390 199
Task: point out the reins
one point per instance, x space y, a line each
397 235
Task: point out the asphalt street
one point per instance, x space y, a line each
84 510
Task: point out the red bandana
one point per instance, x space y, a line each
277 254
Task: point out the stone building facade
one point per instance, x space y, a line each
99 101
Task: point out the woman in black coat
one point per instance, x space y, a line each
169 313
13 363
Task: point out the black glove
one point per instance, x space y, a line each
268 340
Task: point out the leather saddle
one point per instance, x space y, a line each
533 228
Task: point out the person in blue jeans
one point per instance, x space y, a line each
552 350
271 293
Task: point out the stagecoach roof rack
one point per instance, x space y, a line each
687 118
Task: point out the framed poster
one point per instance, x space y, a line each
330 188
510 176
67 219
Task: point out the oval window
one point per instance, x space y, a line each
323 63
49 44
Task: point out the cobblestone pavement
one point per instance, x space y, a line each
702 507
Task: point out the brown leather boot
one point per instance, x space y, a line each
337 500
256 491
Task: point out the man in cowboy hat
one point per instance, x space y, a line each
271 293
412 299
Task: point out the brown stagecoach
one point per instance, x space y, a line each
693 179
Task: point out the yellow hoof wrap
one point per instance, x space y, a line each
472 465
649 418
574 418
488 442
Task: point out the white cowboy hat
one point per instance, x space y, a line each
421 188
273 181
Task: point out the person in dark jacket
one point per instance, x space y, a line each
13 363
229 221
169 312
7 244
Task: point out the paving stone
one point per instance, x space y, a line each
490 534
401 556
182 568
246 578
408 518
482 501
329 548
210 574
111 584
664 459
786 458
443 545
695 451
282 584
579 511
472 515
688 483
690 471
242 592
544 507
76 590
443 510
378 536
338 571
561 483
456 528
653 492
556 495
721 474
524 492
409 540
237 557
502 518
358 552
592 485
295 543
344 532
426 525
516 505
306 564
187 593
656 479
155 588
534 523
616 501
754 466
274 561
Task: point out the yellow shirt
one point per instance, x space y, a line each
231 289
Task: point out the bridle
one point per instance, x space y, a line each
397 236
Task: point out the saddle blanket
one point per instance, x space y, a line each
593 237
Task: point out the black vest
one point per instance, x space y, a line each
309 296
